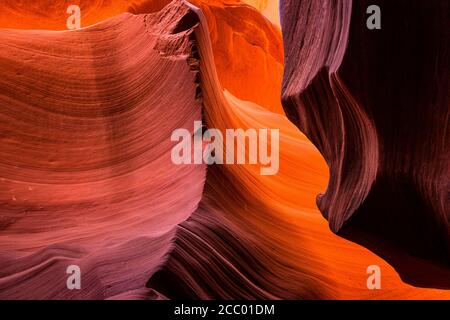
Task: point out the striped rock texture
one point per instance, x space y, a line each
85 171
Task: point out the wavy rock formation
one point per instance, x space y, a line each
119 209
85 172
52 15
376 104
245 44
256 237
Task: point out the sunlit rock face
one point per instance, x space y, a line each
268 8
375 103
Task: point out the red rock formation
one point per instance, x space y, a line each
245 44
85 173
251 236
376 104
52 15
257 237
